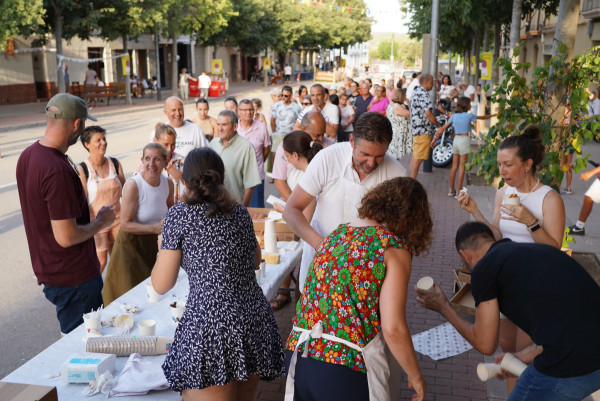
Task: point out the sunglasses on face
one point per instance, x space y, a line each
306 103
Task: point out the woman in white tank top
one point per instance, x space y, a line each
538 215
146 200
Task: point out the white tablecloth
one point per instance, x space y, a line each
49 361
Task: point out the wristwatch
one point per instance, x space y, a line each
535 226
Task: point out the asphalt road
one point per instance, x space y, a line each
28 320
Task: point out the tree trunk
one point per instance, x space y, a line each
127 75
475 52
466 67
486 37
174 72
515 26
566 29
58 32
496 55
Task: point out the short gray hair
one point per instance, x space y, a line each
233 118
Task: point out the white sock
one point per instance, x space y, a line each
580 224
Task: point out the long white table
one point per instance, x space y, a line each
49 361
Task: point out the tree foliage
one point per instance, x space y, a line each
522 103
20 17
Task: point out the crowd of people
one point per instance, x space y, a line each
333 155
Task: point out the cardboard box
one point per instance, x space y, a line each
463 300
26 392
284 232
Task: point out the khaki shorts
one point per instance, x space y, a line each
461 145
421 146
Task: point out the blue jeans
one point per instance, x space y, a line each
533 385
72 302
258 195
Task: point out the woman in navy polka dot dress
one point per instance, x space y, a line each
227 339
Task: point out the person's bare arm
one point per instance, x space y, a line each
68 233
129 204
401 111
273 124
588 174
392 307
331 130
247 196
174 172
283 188
266 152
482 335
257 257
486 117
171 197
292 214
164 273
468 204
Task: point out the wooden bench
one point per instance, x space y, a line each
94 92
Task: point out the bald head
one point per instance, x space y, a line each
313 124
174 111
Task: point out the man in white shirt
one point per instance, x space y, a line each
204 84
338 177
330 112
287 74
411 87
189 135
468 91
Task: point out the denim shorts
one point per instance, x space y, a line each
72 302
533 385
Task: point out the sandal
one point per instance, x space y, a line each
278 303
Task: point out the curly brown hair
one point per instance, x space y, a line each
401 205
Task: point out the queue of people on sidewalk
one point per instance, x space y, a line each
362 221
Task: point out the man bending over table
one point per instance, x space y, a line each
544 292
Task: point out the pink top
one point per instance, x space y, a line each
379 106
258 136
281 167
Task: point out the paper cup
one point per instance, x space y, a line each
177 309
425 283
147 327
513 364
514 201
153 296
487 371
93 325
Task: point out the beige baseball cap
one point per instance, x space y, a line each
71 107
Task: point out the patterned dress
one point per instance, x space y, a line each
402 140
228 330
342 292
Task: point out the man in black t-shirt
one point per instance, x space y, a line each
544 292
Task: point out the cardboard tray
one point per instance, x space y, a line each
463 300
26 392
284 232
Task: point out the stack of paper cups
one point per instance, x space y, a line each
270 237
513 364
487 371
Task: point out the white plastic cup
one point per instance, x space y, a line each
270 228
147 327
487 371
425 283
153 296
514 201
513 364
93 325
177 311
271 243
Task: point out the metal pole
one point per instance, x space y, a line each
158 84
433 64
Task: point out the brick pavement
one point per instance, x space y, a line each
452 379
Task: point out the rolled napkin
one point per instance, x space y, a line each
138 377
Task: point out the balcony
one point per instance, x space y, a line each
590 9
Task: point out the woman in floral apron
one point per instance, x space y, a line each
355 293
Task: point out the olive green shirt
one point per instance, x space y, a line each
241 168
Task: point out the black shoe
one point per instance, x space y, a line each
574 230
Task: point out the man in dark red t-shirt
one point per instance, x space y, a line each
56 215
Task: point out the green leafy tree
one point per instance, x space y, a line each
522 103
384 49
127 19
20 17
204 18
